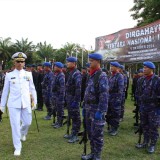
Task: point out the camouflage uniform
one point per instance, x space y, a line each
148 92
73 95
116 88
58 88
47 91
39 90
96 100
123 96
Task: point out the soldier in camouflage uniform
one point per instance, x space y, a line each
47 89
84 80
58 89
148 94
40 72
124 91
116 88
73 98
95 106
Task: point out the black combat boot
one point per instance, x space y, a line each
151 148
88 156
68 136
142 145
54 124
113 131
97 156
73 139
58 125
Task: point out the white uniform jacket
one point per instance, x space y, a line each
18 87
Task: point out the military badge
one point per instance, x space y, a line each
20 55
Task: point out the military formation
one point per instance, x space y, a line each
101 94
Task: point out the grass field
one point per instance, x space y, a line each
49 143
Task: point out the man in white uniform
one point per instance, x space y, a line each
18 90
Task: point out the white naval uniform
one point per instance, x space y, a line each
17 89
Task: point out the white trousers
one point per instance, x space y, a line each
20 120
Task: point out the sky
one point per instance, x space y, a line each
60 21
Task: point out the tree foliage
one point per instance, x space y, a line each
26 47
6 50
45 51
145 11
41 52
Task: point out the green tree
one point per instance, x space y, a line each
45 51
145 11
6 50
26 47
71 49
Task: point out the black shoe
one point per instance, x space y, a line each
97 156
73 139
68 136
113 132
87 157
57 126
54 124
151 149
47 117
141 145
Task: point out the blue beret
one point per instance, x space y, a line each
87 65
149 64
71 59
59 64
95 56
115 64
140 70
121 66
47 64
39 64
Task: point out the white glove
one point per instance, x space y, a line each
2 109
33 106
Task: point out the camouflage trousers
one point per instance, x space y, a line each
60 112
74 114
48 104
95 131
113 114
150 122
122 105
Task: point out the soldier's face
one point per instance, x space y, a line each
71 64
56 69
19 64
46 68
93 63
147 71
39 67
113 68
